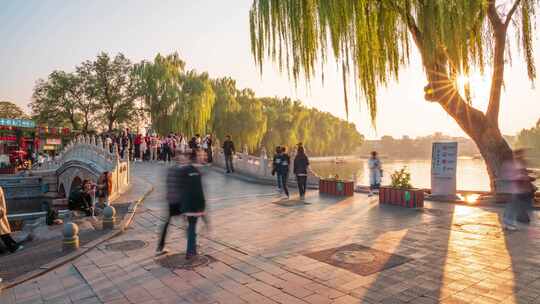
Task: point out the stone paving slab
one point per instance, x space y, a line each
259 250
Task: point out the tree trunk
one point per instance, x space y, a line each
74 123
494 149
111 122
483 131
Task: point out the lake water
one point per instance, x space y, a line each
471 173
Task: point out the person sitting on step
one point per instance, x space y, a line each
81 199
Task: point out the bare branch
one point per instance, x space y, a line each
493 15
511 13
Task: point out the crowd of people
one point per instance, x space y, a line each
154 147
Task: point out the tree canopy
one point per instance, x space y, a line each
114 91
100 90
371 40
10 110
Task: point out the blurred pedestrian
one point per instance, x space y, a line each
228 151
185 197
5 229
515 174
167 148
375 173
207 146
301 164
138 141
275 163
283 170
154 143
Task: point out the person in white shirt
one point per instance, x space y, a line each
375 173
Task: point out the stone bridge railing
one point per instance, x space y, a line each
82 148
260 167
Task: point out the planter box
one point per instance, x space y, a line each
336 187
399 197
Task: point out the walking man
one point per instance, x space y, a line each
283 170
301 163
275 164
228 151
185 196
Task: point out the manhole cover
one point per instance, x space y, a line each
353 257
358 259
178 260
127 245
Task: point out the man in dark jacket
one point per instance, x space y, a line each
275 163
228 151
283 170
185 196
301 163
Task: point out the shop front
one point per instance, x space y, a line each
52 140
17 137
21 141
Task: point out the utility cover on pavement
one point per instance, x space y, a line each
127 245
358 259
178 260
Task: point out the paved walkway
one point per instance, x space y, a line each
329 251
38 254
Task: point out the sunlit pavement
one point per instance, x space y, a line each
448 253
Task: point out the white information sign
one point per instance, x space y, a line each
443 168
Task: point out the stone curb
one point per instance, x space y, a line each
83 249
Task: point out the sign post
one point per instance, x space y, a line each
443 169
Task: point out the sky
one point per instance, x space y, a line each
37 37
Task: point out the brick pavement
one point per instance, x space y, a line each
458 254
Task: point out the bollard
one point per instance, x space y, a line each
71 237
109 217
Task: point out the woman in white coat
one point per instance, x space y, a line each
5 230
375 172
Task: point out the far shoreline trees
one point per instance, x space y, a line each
110 92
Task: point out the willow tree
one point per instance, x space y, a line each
159 84
193 110
371 39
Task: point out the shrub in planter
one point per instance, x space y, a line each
400 192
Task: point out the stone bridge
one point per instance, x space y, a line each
87 158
